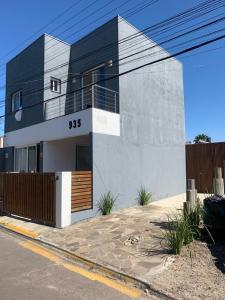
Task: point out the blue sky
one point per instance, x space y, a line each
204 74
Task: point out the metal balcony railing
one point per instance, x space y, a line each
94 96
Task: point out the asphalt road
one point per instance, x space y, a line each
29 275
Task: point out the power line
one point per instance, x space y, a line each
80 12
207 4
42 28
136 7
132 70
177 37
198 66
153 1
146 49
144 31
184 57
77 15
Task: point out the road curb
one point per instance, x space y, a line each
109 271
26 232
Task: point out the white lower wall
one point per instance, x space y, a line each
63 199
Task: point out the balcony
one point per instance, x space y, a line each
92 110
95 96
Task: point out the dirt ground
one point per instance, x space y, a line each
198 273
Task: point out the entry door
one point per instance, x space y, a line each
82 158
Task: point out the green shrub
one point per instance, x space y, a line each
144 197
179 233
195 219
106 204
183 228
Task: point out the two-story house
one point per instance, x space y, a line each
64 113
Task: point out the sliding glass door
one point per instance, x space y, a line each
87 90
26 159
93 96
21 159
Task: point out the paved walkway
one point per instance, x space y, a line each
129 241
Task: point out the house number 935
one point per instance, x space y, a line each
74 123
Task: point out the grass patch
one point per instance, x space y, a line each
144 197
106 204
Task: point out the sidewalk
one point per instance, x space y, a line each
129 241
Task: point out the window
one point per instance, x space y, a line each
26 159
21 159
32 159
16 101
55 85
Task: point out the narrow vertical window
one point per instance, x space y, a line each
16 101
55 85
21 159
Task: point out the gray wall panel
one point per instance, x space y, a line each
9 161
29 72
150 150
20 73
98 47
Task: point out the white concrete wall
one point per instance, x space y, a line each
63 199
150 150
51 130
92 120
60 155
105 122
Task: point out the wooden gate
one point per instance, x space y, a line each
201 161
81 193
29 195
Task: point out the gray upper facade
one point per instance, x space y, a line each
30 73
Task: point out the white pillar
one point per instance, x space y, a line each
63 199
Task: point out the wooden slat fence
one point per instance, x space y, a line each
29 195
81 194
201 160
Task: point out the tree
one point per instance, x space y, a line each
202 138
